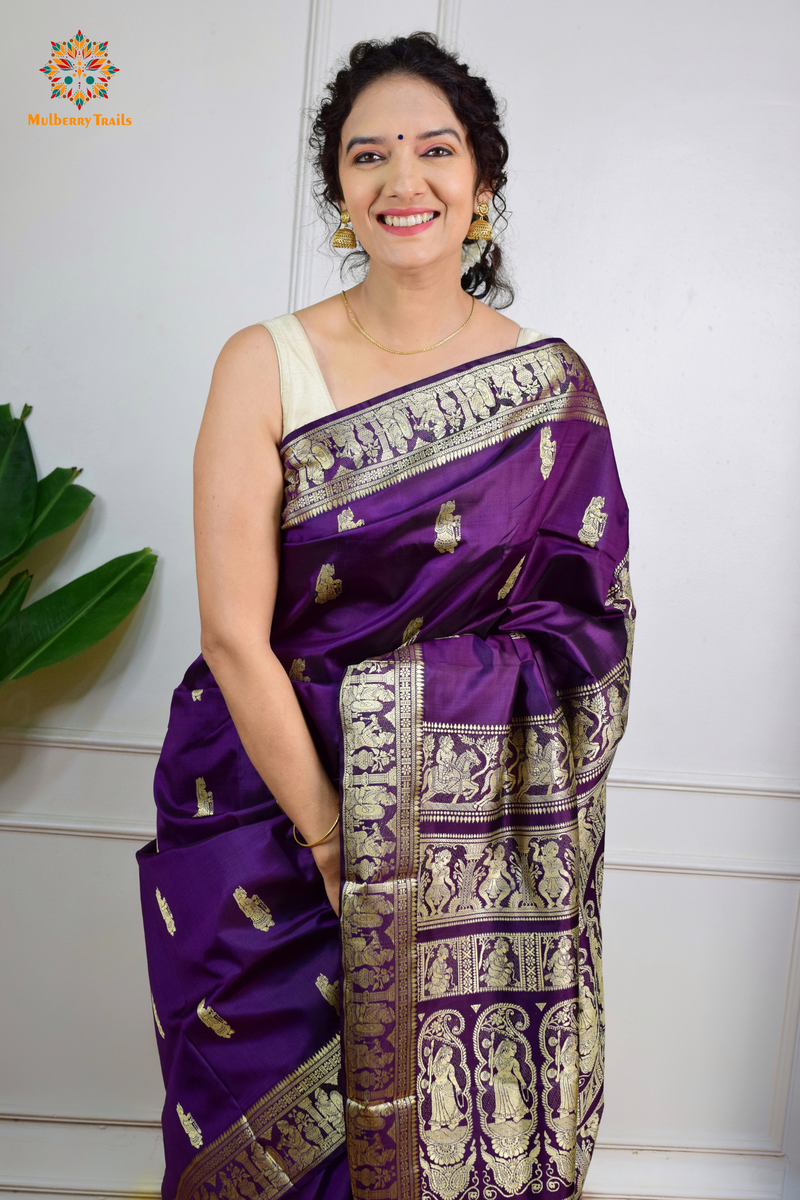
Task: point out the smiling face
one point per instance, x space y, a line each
407 174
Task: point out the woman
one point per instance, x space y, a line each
443 1087
414 598
508 1085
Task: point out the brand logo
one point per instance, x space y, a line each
79 70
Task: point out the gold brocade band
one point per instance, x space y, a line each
360 453
379 904
268 1148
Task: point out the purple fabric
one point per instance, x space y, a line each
455 611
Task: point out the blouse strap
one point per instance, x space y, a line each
304 393
527 335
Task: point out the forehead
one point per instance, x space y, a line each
413 105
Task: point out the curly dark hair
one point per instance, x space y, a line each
473 102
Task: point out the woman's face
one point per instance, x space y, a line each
404 153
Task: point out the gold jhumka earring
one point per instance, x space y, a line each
480 229
344 238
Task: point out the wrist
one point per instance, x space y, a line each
326 855
330 835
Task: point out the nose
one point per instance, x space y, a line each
405 182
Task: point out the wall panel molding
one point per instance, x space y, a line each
59 1157
71 1119
82 739
448 15
316 66
789 1045
99 1161
671 864
40 823
92 1156
690 864
775 786
31 1189
752 1149
648 1174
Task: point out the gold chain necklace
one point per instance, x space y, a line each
388 349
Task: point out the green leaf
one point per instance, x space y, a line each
75 616
13 594
59 502
17 480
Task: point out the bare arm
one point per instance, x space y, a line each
238 494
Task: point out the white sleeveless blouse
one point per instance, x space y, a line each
304 393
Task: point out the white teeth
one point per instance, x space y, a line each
404 222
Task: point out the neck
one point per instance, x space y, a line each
411 309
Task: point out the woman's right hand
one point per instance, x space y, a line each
326 856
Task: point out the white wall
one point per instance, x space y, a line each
654 155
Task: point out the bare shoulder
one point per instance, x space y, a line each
491 331
325 319
246 380
494 319
250 352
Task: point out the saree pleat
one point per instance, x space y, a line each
456 615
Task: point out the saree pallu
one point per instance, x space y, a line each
455 612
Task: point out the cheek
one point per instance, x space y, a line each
457 191
361 191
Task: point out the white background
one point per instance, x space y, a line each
653 196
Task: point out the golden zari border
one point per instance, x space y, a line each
361 453
514 961
381 709
472 769
597 715
620 596
280 1139
512 874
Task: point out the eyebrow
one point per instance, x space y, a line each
379 141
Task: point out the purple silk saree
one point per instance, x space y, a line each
456 615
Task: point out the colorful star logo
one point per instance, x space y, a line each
79 70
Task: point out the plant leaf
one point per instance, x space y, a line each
17 480
59 502
75 616
13 594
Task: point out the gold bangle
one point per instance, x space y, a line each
308 845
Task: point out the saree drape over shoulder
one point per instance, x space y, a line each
456 615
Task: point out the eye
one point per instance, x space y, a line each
365 155
437 150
